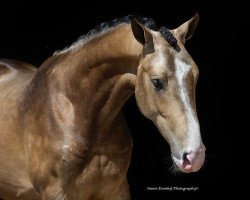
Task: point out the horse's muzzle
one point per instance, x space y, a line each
192 160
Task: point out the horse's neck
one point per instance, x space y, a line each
99 78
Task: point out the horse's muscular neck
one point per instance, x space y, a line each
103 74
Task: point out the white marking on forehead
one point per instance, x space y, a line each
182 70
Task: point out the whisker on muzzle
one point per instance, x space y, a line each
174 169
170 164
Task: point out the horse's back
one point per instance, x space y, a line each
9 67
14 76
14 73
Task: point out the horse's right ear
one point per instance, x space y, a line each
141 34
186 30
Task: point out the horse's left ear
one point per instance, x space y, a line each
186 30
140 33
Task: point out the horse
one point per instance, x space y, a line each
63 135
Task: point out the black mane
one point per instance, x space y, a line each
105 26
147 22
165 32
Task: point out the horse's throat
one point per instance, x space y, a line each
121 90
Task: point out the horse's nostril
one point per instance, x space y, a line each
185 159
184 156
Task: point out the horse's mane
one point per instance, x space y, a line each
106 27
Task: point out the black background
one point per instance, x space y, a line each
33 31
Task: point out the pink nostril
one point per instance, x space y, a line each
184 156
185 159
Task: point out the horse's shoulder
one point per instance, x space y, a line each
8 65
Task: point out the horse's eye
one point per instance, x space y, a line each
157 84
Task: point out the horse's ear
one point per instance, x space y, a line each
141 34
186 30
